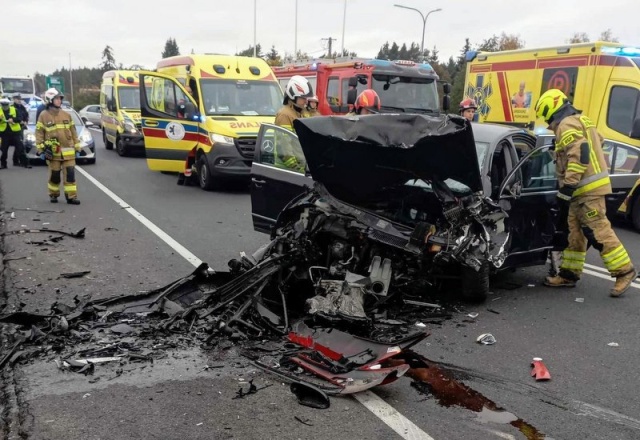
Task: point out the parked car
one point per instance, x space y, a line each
92 113
88 153
457 185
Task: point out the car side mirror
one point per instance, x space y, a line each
635 129
85 120
88 123
446 103
352 95
353 81
446 88
111 105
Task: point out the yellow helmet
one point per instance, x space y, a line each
549 103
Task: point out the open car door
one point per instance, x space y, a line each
170 122
273 184
528 193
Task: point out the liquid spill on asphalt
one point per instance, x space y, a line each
433 380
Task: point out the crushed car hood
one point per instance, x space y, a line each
356 157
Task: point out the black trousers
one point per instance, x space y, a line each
14 138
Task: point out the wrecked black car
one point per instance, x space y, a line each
409 200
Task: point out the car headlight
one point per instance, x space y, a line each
130 127
86 137
220 139
30 137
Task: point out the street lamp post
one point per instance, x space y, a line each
424 22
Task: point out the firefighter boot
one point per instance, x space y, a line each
623 282
559 281
73 201
53 199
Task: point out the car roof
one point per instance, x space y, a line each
486 132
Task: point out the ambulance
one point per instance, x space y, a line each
403 85
120 110
202 114
602 79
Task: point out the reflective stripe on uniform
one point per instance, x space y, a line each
53 188
592 182
68 152
576 167
573 260
70 189
53 127
616 258
567 138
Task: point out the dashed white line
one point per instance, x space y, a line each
385 412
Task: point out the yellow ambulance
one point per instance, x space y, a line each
602 79
120 109
202 113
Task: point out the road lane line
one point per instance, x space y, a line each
404 427
183 251
607 277
385 412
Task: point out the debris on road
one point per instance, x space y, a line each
539 371
613 344
486 339
78 234
75 274
579 300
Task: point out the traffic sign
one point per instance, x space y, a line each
55 81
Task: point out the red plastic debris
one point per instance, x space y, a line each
539 370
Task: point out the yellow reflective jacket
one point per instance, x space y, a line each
580 160
56 125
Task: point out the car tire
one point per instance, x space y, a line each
475 284
108 145
91 161
205 177
121 147
635 213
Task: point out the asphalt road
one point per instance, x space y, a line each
593 393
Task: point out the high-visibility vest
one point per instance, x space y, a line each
13 126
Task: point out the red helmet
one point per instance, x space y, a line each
368 99
467 104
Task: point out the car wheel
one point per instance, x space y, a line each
205 178
475 284
108 145
91 161
635 213
121 147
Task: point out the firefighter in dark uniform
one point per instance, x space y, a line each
20 157
57 142
584 182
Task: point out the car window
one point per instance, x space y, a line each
165 97
624 158
623 103
481 151
607 150
539 172
333 91
281 148
95 109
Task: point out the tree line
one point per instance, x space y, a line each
86 80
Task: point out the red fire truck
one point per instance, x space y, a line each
403 86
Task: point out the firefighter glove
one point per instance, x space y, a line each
565 193
42 156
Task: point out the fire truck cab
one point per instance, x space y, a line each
403 86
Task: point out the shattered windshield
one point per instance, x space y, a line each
240 98
406 93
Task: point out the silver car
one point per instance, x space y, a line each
92 114
88 153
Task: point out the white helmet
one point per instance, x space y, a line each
5 101
50 94
298 87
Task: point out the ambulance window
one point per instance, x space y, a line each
622 109
333 91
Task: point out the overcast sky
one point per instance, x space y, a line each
40 34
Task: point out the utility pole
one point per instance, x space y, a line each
71 79
330 41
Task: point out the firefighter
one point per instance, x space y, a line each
584 181
468 109
10 131
296 93
312 107
367 103
57 142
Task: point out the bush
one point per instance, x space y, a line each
85 98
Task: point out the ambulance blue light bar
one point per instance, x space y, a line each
624 51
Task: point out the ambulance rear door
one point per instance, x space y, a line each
170 122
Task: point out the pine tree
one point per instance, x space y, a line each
108 60
170 48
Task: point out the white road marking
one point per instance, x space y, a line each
183 251
385 412
404 427
605 275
